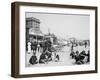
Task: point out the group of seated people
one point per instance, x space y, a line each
80 57
45 57
46 52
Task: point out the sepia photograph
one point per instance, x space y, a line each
55 39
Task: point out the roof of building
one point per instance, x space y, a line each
33 19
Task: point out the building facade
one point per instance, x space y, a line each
33 28
33 31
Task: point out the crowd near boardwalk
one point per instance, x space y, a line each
45 53
47 47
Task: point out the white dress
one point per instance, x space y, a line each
29 47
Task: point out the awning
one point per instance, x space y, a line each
35 32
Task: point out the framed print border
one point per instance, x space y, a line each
15 38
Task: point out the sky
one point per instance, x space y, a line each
64 25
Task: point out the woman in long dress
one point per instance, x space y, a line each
29 47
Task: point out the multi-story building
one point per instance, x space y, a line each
33 28
33 31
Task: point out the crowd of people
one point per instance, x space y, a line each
49 53
80 57
46 51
